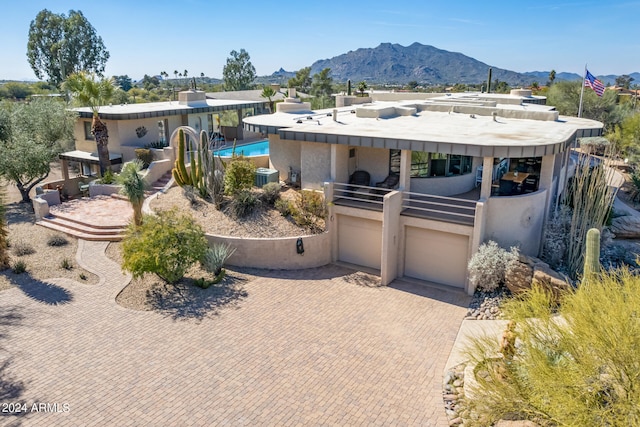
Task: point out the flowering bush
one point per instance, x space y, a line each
488 265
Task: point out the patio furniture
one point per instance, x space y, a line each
507 187
360 178
84 188
390 182
530 184
479 175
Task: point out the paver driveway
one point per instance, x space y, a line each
303 348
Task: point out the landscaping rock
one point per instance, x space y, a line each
518 276
551 280
520 423
626 227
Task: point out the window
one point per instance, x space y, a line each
87 132
425 164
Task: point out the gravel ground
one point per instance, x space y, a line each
264 222
46 261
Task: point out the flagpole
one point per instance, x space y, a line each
584 76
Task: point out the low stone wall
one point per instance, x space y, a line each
277 253
103 189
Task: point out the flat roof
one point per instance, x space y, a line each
503 130
167 108
85 156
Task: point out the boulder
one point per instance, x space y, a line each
518 276
519 423
626 227
556 283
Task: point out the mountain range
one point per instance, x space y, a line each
396 64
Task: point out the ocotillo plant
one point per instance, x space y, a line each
592 254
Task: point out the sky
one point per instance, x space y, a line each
147 37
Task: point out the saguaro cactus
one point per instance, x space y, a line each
592 254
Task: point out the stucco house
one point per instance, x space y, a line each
134 126
462 169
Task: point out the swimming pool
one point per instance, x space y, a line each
258 148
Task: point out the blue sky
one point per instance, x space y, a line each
147 37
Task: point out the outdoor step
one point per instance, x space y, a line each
115 237
82 227
69 218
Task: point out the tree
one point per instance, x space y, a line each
149 82
624 81
31 137
133 186
124 82
59 46
552 77
412 85
269 93
93 93
362 86
302 80
15 90
322 84
166 244
238 73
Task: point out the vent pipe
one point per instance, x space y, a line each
489 82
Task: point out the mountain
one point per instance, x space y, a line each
393 63
397 64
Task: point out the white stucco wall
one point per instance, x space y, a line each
283 155
373 160
315 163
447 185
516 221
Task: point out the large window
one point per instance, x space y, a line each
87 131
425 164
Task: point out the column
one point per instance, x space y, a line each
487 177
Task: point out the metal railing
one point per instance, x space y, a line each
448 209
359 196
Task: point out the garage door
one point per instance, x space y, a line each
436 256
359 241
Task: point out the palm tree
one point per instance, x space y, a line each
133 186
92 93
268 92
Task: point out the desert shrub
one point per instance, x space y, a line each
634 186
4 233
82 276
243 203
271 192
57 240
556 233
19 267
107 178
66 264
239 175
22 248
145 156
217 190
581 371
313 203
166 244
191 194
215 257
283 206
487 266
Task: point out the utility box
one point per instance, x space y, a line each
265 175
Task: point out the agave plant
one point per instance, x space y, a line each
215 257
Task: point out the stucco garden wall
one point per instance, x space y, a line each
516 221
277 253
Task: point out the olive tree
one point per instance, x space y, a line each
61 45
31 137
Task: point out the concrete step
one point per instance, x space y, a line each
69 218
88 234
82 227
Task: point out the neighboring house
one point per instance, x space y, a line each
464 168
134 126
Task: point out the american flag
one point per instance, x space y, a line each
595 84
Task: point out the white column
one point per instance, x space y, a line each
405 171
487 177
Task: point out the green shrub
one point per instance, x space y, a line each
574 365
66 264
271 192
57 240
243 203
166 244
283 206
107 178
313 203
21 248
145 156
19 267
82 276
215 257
487 266
239 175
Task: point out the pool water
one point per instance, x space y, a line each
254 149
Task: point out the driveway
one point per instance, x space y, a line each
312 347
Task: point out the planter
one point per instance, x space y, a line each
103 189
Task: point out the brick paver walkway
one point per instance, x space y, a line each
303 348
